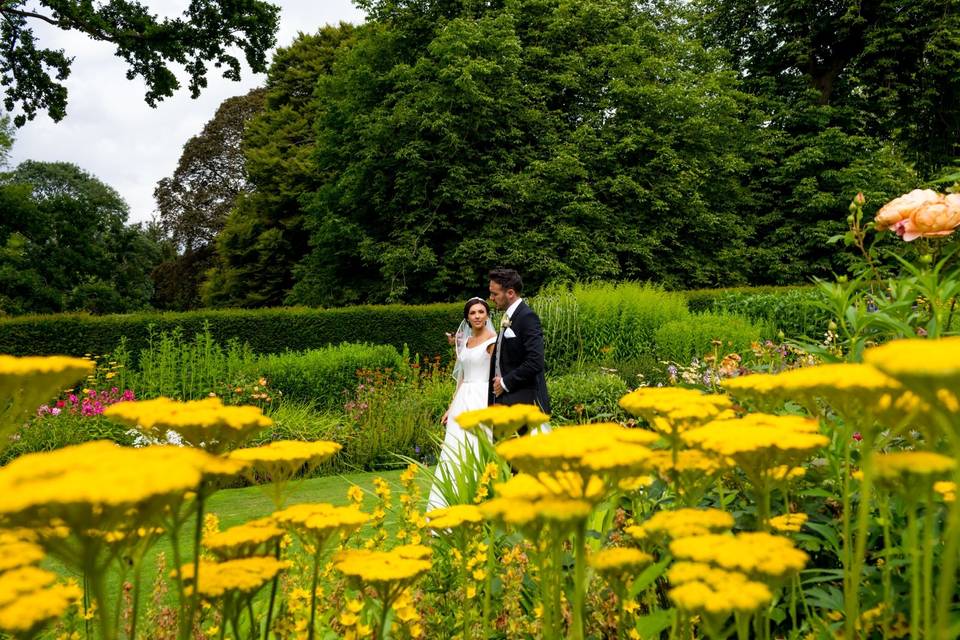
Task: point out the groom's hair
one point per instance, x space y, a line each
507 278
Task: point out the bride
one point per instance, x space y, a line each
475 340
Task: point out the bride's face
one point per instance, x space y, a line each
477 316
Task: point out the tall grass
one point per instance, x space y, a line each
694 337
173 365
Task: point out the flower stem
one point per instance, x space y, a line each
579 580
313 592
273 595
928 545
197 540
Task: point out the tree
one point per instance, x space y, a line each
194 202
6 140
206 34
573 140
264 236
64 244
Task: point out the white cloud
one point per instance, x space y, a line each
110 131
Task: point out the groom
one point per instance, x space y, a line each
517 365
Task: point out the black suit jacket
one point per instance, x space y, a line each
521 362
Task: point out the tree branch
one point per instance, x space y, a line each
30 14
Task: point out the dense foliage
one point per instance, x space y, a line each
209 33
65 245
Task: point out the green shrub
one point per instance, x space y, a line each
54 432
421 328
794 310
296 420
603 323
681 340
586 396
325 376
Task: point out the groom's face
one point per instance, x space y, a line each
500 297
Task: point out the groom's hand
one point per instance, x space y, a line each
497 387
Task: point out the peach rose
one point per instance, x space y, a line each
920 213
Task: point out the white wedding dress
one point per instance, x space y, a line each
472 395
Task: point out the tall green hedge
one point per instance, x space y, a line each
421 328
793 310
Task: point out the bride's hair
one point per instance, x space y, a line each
471 303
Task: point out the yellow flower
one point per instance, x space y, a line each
243 540
355 493
680 523
503 420
910 465
620 561
673 409
454 516
790 522
16 552
927 365
206 423
320 520
701 588
380 568
246 575
772 440
752 553
29 598
26 383
292 453
947 489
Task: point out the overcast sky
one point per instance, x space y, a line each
111 132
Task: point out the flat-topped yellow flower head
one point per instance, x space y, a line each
557 484
674 409
16 551
761 555
320 520
30 598
293 453
99 485
759 440
503 420
241 575
531 515
607 450
924 366
700 588
620 562
681 523
454 517
207 423
243 540
381 569
789 523
910 471
28 382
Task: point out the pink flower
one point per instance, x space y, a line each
857 436
922 213
72 398
55 411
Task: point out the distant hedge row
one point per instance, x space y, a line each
421 328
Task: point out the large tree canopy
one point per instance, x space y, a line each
206 34
572 139
64 244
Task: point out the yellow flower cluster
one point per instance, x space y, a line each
402 565
752 553
533 513
619 561
243 540
834 382
319 520
454 516
558 484
604 449
681 523
286 453
789 523
923 364
17 552
206 423
674 409
705 589
90 485
946 489
503 420
688 460
244 575
772 439
407 614
907 465
29 598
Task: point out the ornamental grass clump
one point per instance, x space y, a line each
26 383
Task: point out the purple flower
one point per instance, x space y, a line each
672 370
127 395
73 398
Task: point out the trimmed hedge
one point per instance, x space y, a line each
421 328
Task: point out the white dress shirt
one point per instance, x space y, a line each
509 314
